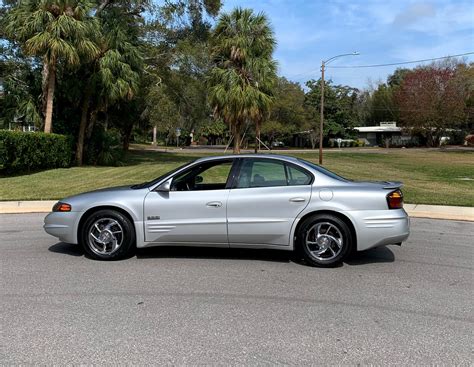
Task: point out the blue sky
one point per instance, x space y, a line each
382 31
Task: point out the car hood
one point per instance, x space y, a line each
104 190
109 194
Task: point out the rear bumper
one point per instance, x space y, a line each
380 227
62 225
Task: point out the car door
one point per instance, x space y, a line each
266 197
193 211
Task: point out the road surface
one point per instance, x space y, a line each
392 305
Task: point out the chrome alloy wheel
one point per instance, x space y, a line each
324 241
105 236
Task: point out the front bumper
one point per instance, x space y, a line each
63 225
380 227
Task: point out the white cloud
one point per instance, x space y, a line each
415 12
383 31
441 19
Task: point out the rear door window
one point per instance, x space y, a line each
269 173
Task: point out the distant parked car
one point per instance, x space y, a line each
278 144
245 201
444 140
469 140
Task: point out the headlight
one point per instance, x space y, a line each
61 207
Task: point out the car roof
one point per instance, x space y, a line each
253 155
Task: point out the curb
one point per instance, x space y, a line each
19 207
413 210
464 213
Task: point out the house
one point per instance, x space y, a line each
377 135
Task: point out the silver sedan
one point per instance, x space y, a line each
244 201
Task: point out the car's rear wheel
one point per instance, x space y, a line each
108 235
324 240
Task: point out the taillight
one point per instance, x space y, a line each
395 200
61 207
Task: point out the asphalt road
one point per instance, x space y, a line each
409 305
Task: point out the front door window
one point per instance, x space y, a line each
206 176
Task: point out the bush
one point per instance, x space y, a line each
24 151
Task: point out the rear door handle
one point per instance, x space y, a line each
297 200
214 204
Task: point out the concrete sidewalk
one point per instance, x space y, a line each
413 210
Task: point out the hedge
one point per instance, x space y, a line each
29 151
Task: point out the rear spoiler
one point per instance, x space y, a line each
391 185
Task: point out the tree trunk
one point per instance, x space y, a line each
92 120
126 137
82 127
258 124
48 121
237 138
44 86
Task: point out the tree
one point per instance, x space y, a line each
396 79
465 81
177 58
162 112
340 108
19 88
383 106
288 113
57 31
431 100
113 75
243 77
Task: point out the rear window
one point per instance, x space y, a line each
323 170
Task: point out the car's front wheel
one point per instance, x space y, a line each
324 240
108 235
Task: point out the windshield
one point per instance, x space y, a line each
323 170
158 179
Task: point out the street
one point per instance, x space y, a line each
391 305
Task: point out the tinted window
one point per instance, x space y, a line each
297 176
323 170
268 173
261 173
216 174
158 179
206 176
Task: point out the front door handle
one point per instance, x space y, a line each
297 200
214 204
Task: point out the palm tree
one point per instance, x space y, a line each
57 31
245 73
113 75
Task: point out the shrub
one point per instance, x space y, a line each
25 151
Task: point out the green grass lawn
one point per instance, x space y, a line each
430 177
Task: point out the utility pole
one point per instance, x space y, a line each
321 125
154 136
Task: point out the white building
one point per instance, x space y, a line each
376 135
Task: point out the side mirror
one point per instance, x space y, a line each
164 187
198 179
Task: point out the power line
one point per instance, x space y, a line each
303 74
398 63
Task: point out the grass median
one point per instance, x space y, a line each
430 176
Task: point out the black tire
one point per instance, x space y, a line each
127 238
339 229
